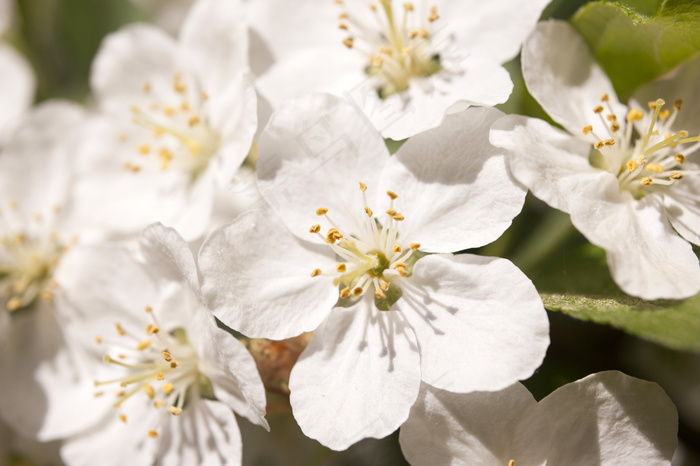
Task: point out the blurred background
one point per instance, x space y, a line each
60 38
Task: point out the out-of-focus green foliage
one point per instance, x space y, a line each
637 41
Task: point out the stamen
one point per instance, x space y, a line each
340 268
414 246
122 417
631 165
587 129
647 181
153 434
655 167
315 229
680 158
316 273
676 176
175 411
321 211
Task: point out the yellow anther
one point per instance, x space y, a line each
368 211
153 434
178 86
646 181
635 115
340 268
414 246
391 212
149 391
151 329
345 292
641 160
614 126
376 61
363 187
401 269
98 339
348 42
343 26
205 96
315 228
680 158
143 345
119 328
655 167
383 285
611 117
98 394
609 142
174 410
408 6
676 176
121 393
631 165
122 417
434 16
358 291
598 109
146 87
511 463
604 98
396 248
677 105
184 106
599 145
321 211
168 388
379 294
413 33
343 16
122 137
160 376
170 111
423 33
144 149
193 121
149 309
167 356
173 364
158 403
13 303
193 146
587 129
665 114
316 273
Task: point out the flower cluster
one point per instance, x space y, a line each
234 184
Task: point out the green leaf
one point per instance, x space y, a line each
637 41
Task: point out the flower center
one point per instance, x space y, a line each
374 257
28 257
163 366
648 158
180 135
399 45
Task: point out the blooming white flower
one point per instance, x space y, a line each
626 176
168 380
37 231
406 65
607 418
18 82
389 304
178 119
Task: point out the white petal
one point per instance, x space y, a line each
473 81
476 428
646 256
168 256
563 77
214 37
551 163
17 90
312 154
683 211
453 185
492 29
205 433
610 418
256 278
127 59
479 322
357 378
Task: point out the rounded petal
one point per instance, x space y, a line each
256 278
646 256
563 77
214 36
551 163
453 185
312 154
684 211
17 90
476 428
479 322
205 433
610 418
492 29
357 378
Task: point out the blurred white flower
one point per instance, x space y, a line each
406 65
387 312
178 119
605 419
168 380
627 176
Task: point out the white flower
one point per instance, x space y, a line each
627 176
38 230
18 82
386 311
607 418
405 64
168 380
178 119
